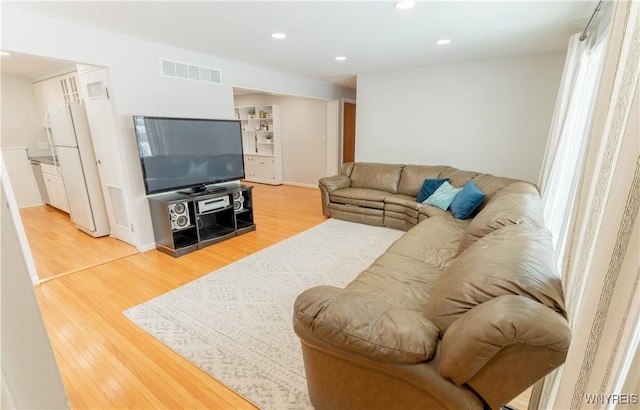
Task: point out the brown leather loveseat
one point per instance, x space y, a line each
456 314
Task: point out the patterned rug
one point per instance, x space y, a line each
236 323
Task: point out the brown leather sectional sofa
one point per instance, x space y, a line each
456 314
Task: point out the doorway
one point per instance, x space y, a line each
349 132
304 133
54 242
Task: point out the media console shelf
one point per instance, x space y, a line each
185 223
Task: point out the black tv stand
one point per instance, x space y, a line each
203 190
185 224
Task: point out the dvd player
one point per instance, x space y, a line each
208 205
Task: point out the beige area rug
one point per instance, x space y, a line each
236 323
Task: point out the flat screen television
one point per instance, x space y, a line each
188 154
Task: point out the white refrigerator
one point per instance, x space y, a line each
72 145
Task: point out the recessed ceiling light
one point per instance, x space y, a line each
5 53
404 4
278 36
443 42
340 58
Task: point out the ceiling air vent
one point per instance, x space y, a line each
185 71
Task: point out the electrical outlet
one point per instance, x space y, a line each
43 145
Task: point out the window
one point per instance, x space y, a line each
564 158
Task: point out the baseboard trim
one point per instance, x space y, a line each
300 184
147 247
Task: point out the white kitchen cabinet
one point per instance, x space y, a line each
56 90
70 88
262 142
55 187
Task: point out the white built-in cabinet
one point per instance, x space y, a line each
56 90
262 142
55 187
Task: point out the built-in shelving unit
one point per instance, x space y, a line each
262 142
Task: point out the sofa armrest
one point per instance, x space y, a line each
335 182
328 185
503 346
361 323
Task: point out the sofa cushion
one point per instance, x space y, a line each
431 211
434 242
404 275
399 280
457 177
361 323
347 168
517 203
443 196
515 260
383 177
467 201
413 177
402 204
403 200
359 193
429 186
490 184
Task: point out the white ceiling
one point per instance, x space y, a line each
373 35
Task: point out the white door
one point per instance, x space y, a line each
108 152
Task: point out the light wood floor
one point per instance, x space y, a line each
59 248
108 362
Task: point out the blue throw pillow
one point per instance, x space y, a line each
429 186
443 196
467 201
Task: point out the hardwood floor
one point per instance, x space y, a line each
108 362
59 248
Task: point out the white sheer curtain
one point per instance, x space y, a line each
564 155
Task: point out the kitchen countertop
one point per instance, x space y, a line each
43 160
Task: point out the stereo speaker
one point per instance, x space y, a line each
179 213
238 201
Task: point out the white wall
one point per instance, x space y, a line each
489 116
21 124
304 130
138 87
30 375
